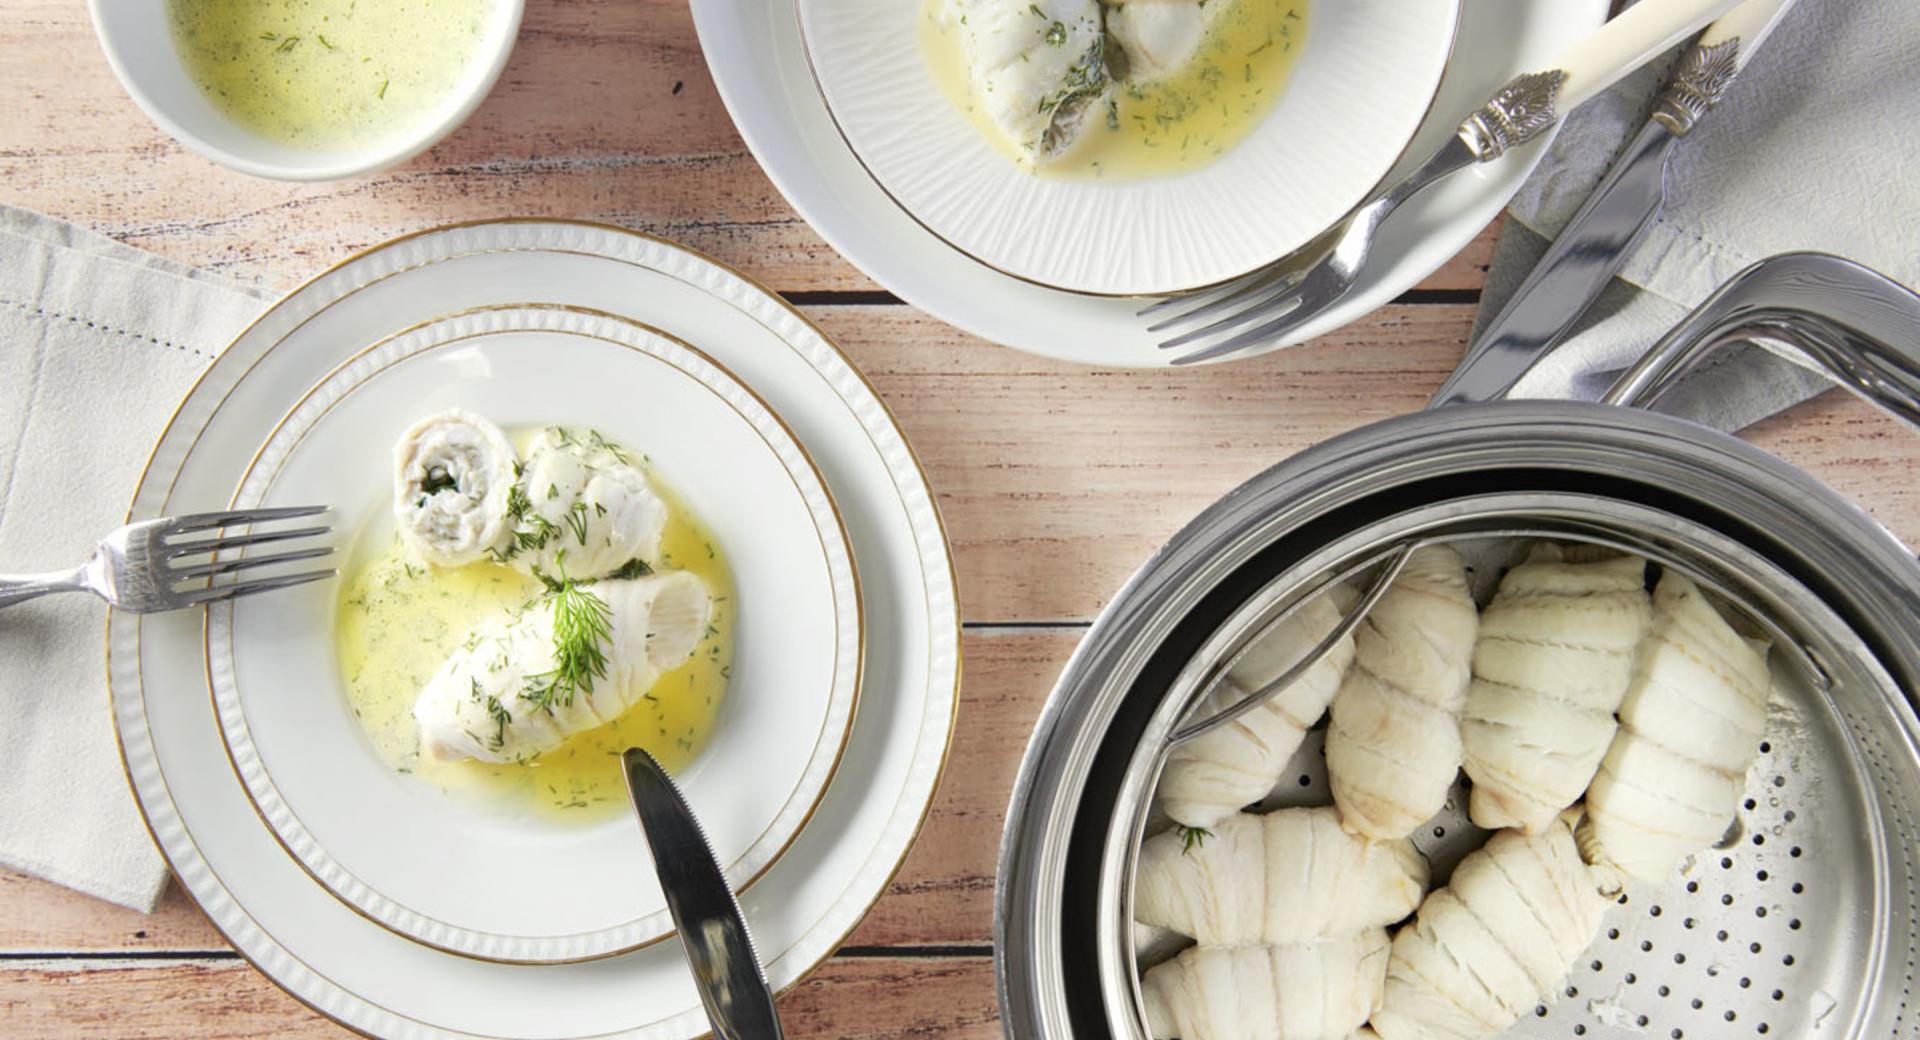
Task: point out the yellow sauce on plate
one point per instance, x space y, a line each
325 74
397 621
1158 127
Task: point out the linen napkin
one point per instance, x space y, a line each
98 343
1813 147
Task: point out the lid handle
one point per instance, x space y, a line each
1859 326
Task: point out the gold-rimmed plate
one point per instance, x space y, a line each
374 980
534 861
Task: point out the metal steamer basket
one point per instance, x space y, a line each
1803 922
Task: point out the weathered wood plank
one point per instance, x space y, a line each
1056 480
853 998
605 112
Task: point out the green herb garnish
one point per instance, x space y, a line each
576 519
634 568
500 716
437 480
597 440
1192 838
582 626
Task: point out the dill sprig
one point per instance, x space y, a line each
576 519
599 440
634 568
501 717
438 479
582 626
1192 838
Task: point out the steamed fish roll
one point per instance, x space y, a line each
572 660
1320 990
583 506
453 475
1157 36
1036 67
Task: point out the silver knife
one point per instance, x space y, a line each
1596 243
739 1003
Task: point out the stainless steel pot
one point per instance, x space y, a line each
1808 918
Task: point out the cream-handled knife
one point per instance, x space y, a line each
1596 243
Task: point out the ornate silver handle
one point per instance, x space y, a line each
1704 74
1857 324
1534 101
1709 66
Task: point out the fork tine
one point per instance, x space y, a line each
1252 337
1211 292
1285 301
206 521
203 570
1259 283
215 593
175 550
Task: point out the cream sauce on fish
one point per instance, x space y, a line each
397 622
1152 123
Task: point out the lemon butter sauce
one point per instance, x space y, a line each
323 74
397 621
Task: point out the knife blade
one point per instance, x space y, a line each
725 969
1602 234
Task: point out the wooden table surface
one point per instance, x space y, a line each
1055 480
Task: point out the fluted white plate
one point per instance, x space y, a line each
759 64
479 877
1363 82
380 983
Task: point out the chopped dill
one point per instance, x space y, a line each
634 568
582 626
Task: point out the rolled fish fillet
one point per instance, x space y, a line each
1036 66
1303 991
1554 656
1213 776
1393 748
1494 944
585 497
453 473
1157 36
1290 876
505 696
1690 726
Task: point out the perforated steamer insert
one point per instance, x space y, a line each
1803 922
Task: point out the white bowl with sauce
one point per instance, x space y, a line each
1283 119
327 90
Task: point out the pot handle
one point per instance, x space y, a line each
1859 326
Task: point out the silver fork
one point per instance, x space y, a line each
1278 299
148 566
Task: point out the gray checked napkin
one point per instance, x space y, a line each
98 343
1816 146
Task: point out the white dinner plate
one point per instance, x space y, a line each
754 51
452 868
366 976
1362 75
